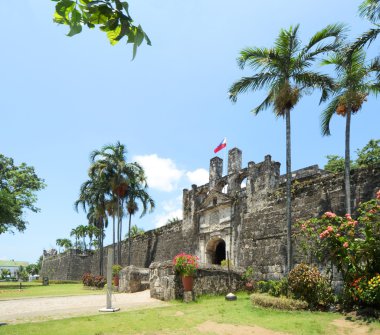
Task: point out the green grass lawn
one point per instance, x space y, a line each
181 318
11 290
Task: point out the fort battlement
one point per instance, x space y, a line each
241 214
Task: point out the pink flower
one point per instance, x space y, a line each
378 195
330 215
345 244
348 216
337 235
303 226
330 229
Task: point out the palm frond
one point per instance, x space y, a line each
370 9
255 57
338 31
268 101
255 82
327 114
365 39
374 88
287 43
308 79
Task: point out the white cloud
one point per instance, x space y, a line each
198 177
171 209
162 220
162 173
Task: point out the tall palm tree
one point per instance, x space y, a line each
92 198
355 81
75 232
64 243
137 193
122 178
110 163
285 71
82 232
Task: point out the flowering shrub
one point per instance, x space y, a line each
307 283
185 264
275 288
351 245
90 280
366 291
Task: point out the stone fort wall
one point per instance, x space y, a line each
241 216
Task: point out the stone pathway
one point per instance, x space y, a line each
51 308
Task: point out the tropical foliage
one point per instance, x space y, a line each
369 9
136 231
285 70
111 16
355 80
368 156
64 243
306 283
18 187
90 280
350 244
115 188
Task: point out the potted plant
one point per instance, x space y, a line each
115 273
186 266
248 278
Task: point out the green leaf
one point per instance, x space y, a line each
113 34
125 6
58 18
76 16
64 8
74 29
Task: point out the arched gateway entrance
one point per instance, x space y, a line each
216 251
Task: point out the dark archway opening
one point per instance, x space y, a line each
220 252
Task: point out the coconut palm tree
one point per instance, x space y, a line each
285 70
356 79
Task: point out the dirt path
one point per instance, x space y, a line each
41 309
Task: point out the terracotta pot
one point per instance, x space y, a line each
187 282
116 280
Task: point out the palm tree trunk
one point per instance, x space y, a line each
121 229
101 248
113 238
129 239
347 185
288 192
118 229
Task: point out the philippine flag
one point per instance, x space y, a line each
221 146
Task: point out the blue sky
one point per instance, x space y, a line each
63 97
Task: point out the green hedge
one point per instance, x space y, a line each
283 303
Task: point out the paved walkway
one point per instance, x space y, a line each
50 308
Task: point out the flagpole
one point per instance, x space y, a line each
225 161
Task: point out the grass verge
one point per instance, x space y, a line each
182 318
9 290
